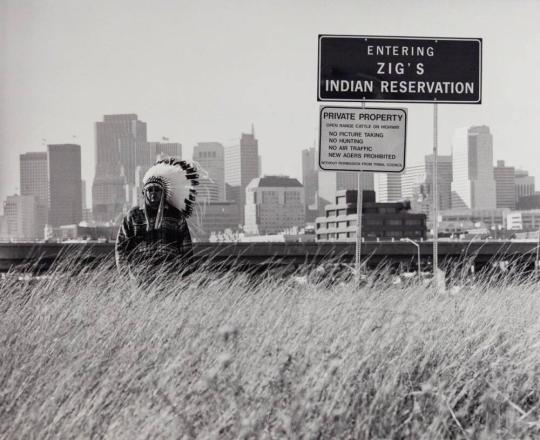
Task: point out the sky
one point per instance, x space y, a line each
208 70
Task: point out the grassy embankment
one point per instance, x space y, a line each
227 357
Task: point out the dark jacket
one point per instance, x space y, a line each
138 249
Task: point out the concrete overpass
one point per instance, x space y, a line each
40 256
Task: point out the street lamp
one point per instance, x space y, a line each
417 248
536 268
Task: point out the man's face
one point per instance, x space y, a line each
153 194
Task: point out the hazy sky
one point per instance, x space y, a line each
206 70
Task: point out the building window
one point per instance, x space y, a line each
270 197
393 222
413 222
374 222
292 197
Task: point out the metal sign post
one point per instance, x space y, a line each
359 203
359 206
435 197
362 139
361 68
536 262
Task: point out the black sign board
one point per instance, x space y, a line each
407 69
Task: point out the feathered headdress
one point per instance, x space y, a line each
178 179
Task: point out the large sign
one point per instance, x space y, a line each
408 69
362 139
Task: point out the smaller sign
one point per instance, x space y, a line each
362 139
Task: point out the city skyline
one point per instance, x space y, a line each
64 66
348 179
53 179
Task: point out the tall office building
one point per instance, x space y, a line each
34 178
162 150
207 190
444 179
215 218
348 179
473 184
120 141
34 181
413 181
4 233
388 187
83 194
417 184
65 193
211 157
273 204
241 167
21 214
310 176
524 184
145 155
505 185
329 182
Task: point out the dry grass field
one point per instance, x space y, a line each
232 356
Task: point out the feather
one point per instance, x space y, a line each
178 179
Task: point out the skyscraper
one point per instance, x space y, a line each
34 175
417 184
207 190
241 167
413 181
388 187
211 158
310 177
21 213
524 184
65 207
505 185
83 194
34 181
165 149
444 179
4 233
329 182
120 140
273 204
473 184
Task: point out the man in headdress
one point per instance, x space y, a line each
156 236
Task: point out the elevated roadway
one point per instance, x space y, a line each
40 256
